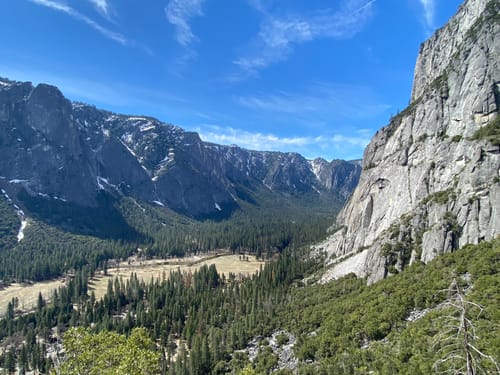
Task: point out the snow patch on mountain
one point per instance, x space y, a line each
147 126
127 138
20 234
129 149
102 180
136 118
111 118
6 196
315 166
77 105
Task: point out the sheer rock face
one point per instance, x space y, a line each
427 186
71 152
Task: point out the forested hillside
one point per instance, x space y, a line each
409 323
48 250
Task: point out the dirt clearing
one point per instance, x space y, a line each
154 269
27 294
146 270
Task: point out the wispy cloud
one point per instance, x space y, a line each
61 7
429 8
324 101
279 35
102 6
351 146
429 11
179 13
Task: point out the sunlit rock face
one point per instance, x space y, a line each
430 182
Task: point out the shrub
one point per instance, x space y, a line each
282 339
489 132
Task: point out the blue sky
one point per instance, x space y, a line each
316 77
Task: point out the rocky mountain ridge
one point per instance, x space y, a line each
430 179
54 149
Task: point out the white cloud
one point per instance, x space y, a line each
61 7
280 102
102 6
329 146
54 5
325 101
429 10
339 139
179 13
278 35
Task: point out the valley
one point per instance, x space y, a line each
145 270
242 266
148 250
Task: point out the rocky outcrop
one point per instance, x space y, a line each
280 344
71 152
430 179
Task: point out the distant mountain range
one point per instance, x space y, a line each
56 152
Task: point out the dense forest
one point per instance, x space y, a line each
199 323
9 223
50 250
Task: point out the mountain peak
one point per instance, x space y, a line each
439 49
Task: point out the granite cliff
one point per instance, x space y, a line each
430 179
